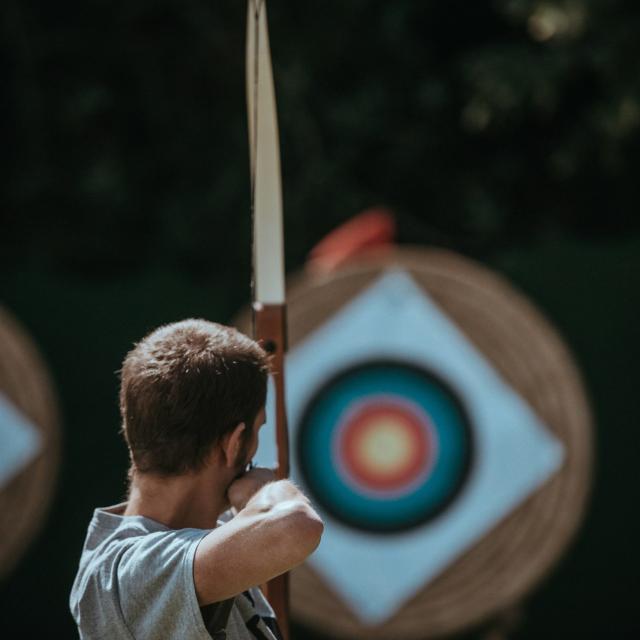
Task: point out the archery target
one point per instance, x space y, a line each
488 536
384 446
29 437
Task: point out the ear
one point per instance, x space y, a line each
231 444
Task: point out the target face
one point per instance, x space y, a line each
409 442
384 446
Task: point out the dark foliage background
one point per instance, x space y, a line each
507 130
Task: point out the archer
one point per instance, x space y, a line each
163 565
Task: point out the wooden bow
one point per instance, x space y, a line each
269 306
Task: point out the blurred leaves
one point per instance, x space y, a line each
484 125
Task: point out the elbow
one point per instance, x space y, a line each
313 529
303 532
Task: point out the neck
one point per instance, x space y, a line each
183 501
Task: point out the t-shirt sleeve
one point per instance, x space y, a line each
157 592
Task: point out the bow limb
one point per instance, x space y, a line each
269 306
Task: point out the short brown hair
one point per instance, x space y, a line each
183 387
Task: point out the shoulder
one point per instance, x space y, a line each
120 542
117 557
129 570
149 560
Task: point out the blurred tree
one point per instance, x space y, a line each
484 124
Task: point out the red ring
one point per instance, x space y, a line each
357 428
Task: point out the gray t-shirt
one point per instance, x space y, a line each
135 581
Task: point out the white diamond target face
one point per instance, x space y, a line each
384 446
408 441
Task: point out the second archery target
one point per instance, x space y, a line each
29 441
384 446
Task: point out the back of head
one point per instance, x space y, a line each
183 387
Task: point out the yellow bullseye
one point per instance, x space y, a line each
385 446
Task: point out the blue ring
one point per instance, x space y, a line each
324 413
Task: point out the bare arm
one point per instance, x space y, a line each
276 528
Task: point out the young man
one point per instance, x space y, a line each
162 566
